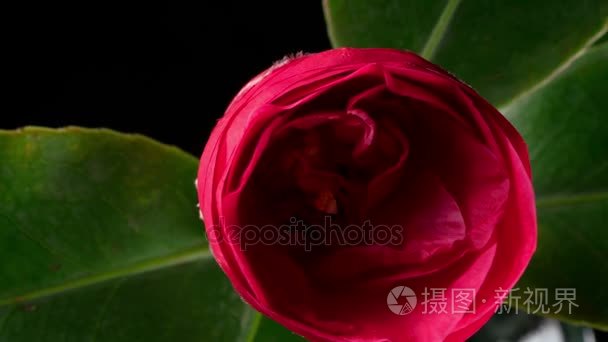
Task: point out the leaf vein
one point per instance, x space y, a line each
155 264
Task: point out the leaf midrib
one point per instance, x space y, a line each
149 265
555 73
439 30
565 200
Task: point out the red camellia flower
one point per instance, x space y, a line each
367 195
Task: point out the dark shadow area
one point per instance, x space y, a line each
166 70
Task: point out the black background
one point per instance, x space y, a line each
166 70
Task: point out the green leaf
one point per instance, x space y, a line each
502 48
100 240
565 124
